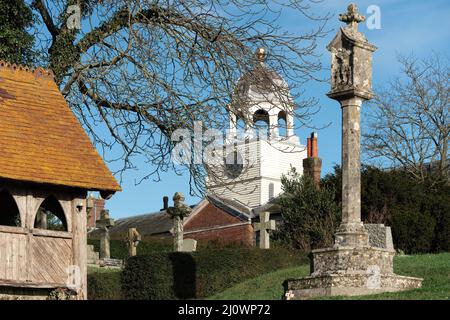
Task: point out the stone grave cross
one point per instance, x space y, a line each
133 238
104 224
264 226
178 212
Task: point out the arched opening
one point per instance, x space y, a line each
50 215
9 212
261 123
282 124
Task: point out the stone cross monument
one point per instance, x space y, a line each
351 266
263 226
133 238
178 212
104 224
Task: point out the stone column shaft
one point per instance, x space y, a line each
178 234
104 245
351 232
351 163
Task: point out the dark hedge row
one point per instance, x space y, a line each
104 285
170 275
119 249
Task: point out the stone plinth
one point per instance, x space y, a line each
351 260
349 271
347 285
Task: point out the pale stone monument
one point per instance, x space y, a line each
189 245
132 240
104 224
264 226
178 212
351 266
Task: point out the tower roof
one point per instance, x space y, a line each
260 84
41 140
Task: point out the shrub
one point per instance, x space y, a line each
104 285
412 230
119 250
170 275
310 215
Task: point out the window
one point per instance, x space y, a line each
282 124
9 212
50 216
271 191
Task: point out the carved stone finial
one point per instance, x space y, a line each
178 198
179 209
260 54
352 17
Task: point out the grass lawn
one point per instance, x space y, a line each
434 268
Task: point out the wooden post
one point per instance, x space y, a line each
79 243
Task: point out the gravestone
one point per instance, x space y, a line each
351 266
178 212
189 245
132 240
93 257
104 224
264 226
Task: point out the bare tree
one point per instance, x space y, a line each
409 123
142 69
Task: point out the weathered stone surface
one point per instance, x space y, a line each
189 245
347 285
93 257
380 236
351 260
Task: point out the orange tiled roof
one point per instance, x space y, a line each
40 138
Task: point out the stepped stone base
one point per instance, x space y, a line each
347 285
349 271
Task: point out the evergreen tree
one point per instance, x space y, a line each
16 44
310 215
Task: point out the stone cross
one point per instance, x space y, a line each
263 226
351 64
178 212
104 224
352 17
132 239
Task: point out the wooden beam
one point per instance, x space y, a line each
52 233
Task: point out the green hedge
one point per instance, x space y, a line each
169 275
119 250
104 285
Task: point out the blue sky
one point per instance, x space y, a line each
417 27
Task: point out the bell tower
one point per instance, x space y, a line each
261 144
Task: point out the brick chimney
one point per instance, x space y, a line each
165 203
312 164
94 207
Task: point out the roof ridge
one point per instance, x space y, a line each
37 72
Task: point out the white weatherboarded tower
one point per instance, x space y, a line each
254 160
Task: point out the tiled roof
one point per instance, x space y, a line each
41 140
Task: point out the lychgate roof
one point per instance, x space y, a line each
41 140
